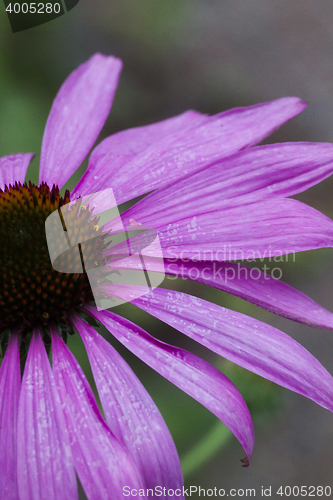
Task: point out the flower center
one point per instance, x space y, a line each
31 291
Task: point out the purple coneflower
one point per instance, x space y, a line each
210 191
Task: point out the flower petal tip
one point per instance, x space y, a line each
100 58
245 462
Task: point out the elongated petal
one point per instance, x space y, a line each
13 168
248 283
254 174
77 116
10 384
256 346
254 286
102 463
131 413
258 230
108 158
193 375
184 151
45 462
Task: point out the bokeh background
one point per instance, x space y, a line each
207 55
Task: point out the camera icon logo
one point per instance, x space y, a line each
122 261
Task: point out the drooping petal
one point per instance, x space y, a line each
255 174
10 384
193 375
256 346
253 286
131 413
259 230
102 463
13 168
248 283
116 151
45 462
77 116
182 152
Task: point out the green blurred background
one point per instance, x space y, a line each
208 55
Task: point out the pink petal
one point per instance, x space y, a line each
13 168
131 413
256 346
258 230
254 286
254 174
102 463
108 158
10 383
248 283
45 463
182 152
193 375
77 116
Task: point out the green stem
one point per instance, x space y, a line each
205 449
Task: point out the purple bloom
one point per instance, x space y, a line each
213 198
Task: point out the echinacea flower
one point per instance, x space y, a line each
210 190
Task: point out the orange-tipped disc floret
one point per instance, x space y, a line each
31 291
